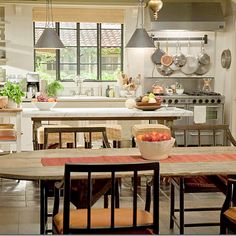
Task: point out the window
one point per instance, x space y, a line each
92 50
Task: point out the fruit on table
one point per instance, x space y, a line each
154 137
149 98
42 98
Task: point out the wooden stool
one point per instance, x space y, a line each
147 128
113 133
53 138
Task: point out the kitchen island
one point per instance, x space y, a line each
162 115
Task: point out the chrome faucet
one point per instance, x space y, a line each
78 81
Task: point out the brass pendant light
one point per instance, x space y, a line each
155 6
140 38
49 38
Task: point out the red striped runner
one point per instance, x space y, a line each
131 159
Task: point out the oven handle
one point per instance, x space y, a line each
204 133
208 106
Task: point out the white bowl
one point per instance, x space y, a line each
45 106
179 91
155 150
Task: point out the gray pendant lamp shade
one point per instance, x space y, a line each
140 39
49 39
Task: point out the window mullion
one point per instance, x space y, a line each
122 48
78 48
58 67
99 56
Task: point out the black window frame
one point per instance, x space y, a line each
78 62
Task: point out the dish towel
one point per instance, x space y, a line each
199 114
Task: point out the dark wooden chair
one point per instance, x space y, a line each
101 186
228 211
110 220
87 131
200 183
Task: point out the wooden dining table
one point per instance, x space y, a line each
28 165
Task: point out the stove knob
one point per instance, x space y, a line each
218 101
176 101
206 101
200 101
164 101
194 101
212 100
169 101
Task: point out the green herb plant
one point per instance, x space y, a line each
12 91
53 88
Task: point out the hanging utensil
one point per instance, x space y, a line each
156 56
202 69
226 59
166 59
164 70
203 57
180 58
191 64
173 66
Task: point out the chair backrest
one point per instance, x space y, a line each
111 171
73 131
219 134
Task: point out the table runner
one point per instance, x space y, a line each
51 161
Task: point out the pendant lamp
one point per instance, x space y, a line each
140 37
49 38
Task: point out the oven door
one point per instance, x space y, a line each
214 115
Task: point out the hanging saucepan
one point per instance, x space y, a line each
191 64
202 69
156 56
180 59
164 70
166 59
173 66
203 57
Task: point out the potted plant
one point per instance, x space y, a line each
14 93
53 88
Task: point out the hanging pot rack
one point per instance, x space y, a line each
204 38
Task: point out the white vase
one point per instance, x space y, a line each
11 104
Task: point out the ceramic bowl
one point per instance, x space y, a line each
45 106
155 150
179 91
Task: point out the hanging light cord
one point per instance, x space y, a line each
49 15
140 9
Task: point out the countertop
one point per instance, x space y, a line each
85 99
108 112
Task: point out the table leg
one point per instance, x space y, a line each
42 208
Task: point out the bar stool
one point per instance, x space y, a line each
67 138
147 128
113 131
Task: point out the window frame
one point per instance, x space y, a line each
78 49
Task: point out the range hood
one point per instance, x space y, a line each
201 16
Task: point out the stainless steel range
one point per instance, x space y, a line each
214 103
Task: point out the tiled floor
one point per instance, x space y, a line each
19 208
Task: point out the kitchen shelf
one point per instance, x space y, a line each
204 38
